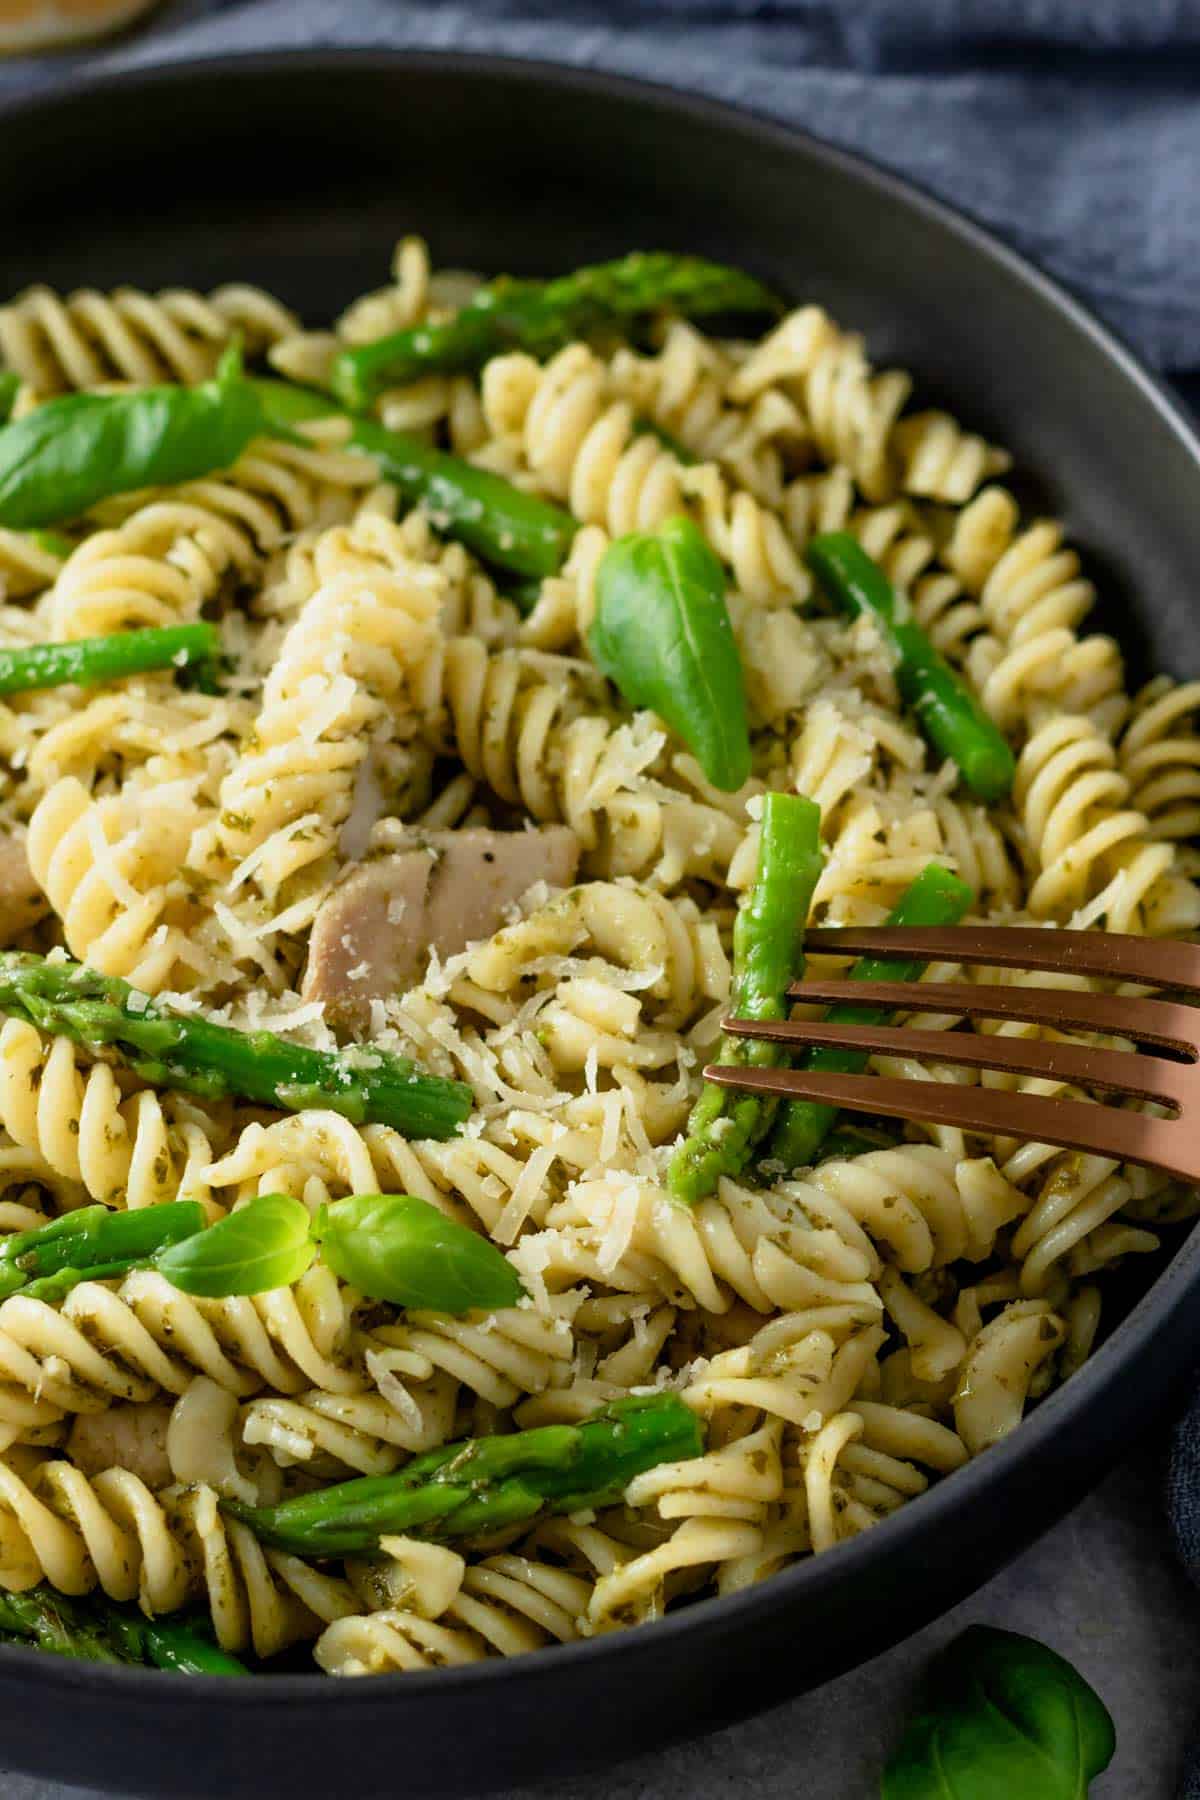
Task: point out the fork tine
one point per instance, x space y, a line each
1121 1071
1158 962
1163 1022
1074 1124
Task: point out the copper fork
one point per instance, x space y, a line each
1165 1068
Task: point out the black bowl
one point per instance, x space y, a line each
299 172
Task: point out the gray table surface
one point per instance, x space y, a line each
1102 1588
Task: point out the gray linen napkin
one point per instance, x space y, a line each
1070 126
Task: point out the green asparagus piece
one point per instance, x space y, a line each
43 1620
768 955
89 661
513 530
54 543
524 594
935 898
93 1631
475 1488
91 1244
367 1086
506 527
947 712
496 520
851 1140
542 316
183 1647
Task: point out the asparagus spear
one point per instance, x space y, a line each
947 712
88 661
935 898
181 1646
44 1620
512 530
54 543
541 316
768 955
168 1050
496 520
850 1140
478 1487
93 1631
91 1244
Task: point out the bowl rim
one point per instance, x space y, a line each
920 1519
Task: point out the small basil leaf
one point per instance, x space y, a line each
398 1248
1004 1716
662 634
71 452
267 1243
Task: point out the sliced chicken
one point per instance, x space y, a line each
22 902
442 891
124 1437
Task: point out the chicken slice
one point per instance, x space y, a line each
442 891
124 1437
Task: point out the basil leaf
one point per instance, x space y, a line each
662 634
71 452
267 1243
10 386
398 1248
1004 1716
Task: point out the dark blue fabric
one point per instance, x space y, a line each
1070 126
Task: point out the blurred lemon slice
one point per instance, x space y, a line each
27 25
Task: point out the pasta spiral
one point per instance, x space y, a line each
131 1152
111 1532
1083 836
850 410
164 555
1159 756
526 737
1034 596
684 389
581 444
505 1606
86 338
941 461
27 564
999 1368
110 869
150 1338
340 669
511 1353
